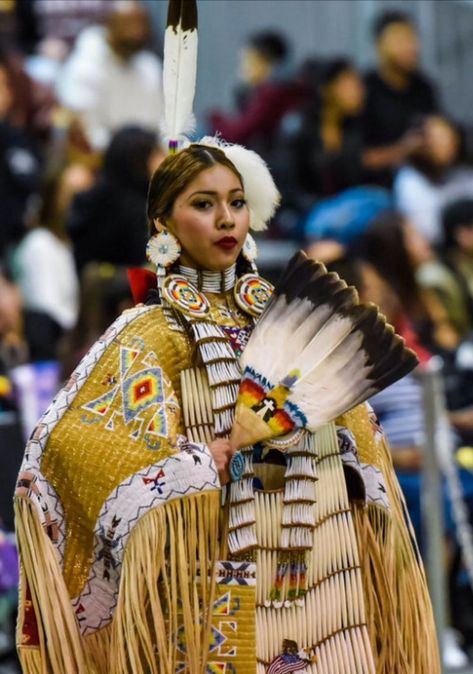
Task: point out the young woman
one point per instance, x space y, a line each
327 151
130 563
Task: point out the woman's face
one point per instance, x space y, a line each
442 142
211 220
348 92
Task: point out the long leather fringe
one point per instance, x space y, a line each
60 645
402 630
148 616
167 550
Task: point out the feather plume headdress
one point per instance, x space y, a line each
179 70
179 79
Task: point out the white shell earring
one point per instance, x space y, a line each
163 249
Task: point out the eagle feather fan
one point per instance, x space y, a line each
315 353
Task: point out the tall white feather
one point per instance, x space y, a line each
180 68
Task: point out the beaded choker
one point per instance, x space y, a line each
210 281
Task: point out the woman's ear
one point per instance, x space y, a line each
160 225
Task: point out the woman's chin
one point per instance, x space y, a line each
221 260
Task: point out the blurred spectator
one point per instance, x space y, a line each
110 79
384 247
399 97
328 148
108 222
271 91
458 246
64 19
45 64
44 256
432 178
449 275
12 347
19 166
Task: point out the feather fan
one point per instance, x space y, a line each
315 353
179 69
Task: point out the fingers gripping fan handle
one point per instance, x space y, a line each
315 353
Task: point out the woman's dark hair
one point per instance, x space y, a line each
271 45
334 68
457 214
174 175
126 158
383 246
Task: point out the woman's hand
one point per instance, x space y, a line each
222 451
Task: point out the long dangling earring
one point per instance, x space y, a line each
250 252
163 249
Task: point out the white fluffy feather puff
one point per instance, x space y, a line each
260 190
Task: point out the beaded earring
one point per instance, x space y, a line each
163 249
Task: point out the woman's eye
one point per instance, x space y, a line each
238 203
202 204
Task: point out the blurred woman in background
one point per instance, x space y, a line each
434 176
43 264
107 223
328 147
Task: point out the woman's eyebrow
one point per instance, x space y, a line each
213 193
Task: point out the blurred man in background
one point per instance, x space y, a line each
269 91
111 79
399 98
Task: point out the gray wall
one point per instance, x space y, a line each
327 28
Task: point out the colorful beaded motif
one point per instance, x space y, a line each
252 294
180 293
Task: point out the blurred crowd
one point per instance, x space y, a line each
376 182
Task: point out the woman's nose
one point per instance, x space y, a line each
225 218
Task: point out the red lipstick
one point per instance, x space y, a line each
227 243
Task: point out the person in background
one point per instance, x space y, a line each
44 256
458 246
387 246
270 92
111 79
448 275
328 147
19 165
433 177
399 98
107 223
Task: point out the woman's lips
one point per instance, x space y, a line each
227 243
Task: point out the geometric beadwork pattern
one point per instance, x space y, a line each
231 648
140 391
101 404
127 358
158 424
